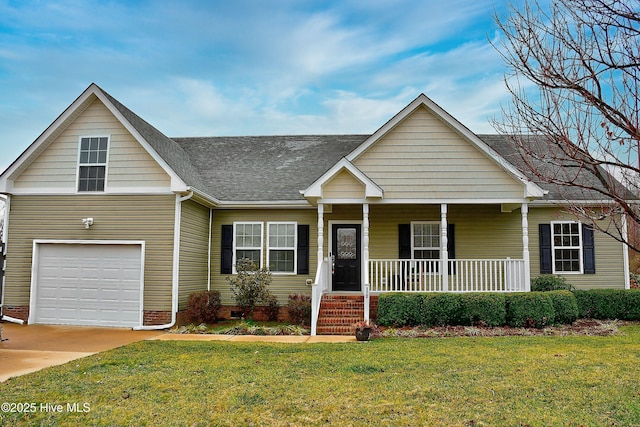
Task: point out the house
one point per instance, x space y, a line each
112 223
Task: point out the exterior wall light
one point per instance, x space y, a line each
87 222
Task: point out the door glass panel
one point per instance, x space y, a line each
346 241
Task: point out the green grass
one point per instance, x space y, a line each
501 381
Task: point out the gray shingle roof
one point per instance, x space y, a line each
171 152
545 163
270 168
276 168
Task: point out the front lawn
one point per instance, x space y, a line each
467 381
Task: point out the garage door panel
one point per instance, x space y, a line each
89 284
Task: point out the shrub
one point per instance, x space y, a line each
299 309
529 310
609 304
632 304
548 282
440 309
565 307
203 306
272 308
483 309
250 286
399 309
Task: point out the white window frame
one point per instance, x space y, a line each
251 248
284 248
426 248
554 247
104 164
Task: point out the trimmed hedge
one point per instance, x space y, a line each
520 309
565 307
609 303
530 310
440 309
483 309
399 309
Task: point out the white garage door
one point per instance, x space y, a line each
88 284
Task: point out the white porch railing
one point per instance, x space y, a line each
321 286
463 275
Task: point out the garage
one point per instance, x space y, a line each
87 284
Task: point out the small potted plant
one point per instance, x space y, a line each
363 330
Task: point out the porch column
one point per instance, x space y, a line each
365 256
444 242
320 233
525 247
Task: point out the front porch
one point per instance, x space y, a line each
425 249
336 312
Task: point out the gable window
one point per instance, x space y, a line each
425 240
567 247
248 241
92 163
281 247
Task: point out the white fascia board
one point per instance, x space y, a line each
277 204
425 201
371 188
531 189
177 184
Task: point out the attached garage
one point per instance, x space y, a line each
87 283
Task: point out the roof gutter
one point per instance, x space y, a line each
176 265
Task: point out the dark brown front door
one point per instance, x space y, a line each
346 244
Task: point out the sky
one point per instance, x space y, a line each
262 67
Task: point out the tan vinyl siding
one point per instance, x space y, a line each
481 232
422 158
194 247
608 253
283 284
129 164
343 186
147 218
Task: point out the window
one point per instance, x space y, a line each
566 239
425 240
287 246
248 242
281 247
92 163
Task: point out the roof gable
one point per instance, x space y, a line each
371 189
148 137
531 190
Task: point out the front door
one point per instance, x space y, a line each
346 244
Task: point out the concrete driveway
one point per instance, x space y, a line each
29 348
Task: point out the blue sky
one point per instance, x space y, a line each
209 68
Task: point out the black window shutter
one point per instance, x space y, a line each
588 250
226 262
451 247
303 249
544 231
404 241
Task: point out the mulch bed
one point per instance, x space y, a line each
584 327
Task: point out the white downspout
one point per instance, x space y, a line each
209 251
625 253
176 265
5 235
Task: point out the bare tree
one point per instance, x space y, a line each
573 74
